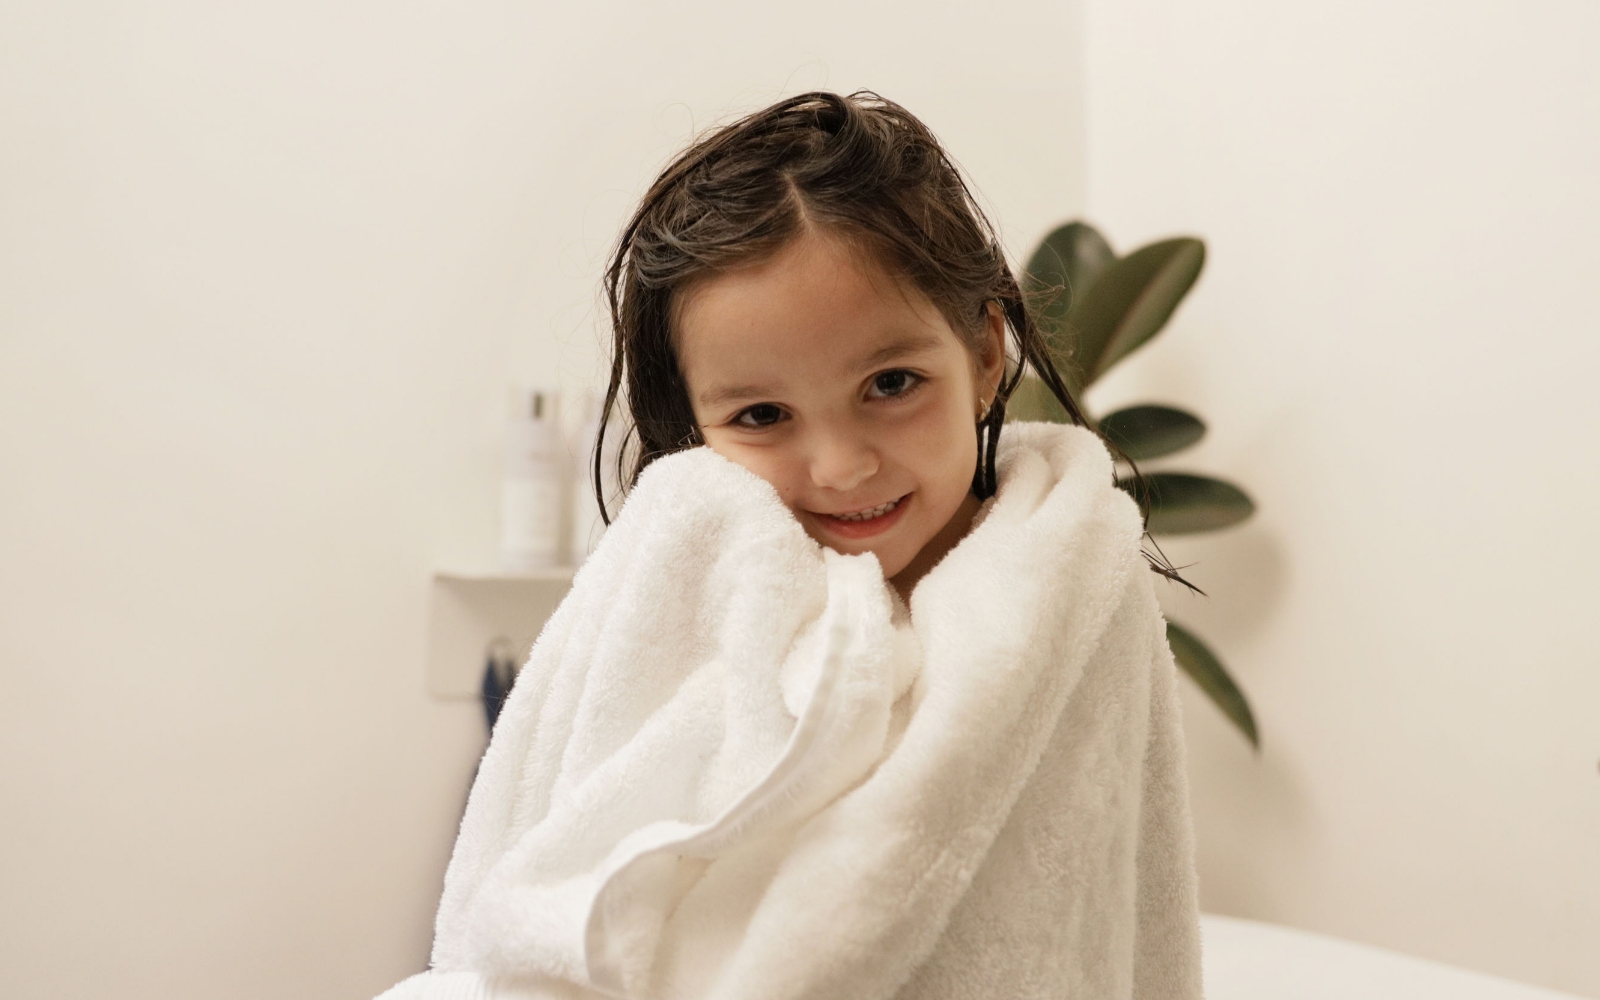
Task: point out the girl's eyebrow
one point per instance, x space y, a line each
735 393
914 344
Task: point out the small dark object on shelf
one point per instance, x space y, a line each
499 673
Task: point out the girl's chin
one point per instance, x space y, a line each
888 546
889 560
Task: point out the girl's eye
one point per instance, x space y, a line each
894 383
759 415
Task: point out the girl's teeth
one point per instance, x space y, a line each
867 515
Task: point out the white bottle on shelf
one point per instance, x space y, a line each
530 497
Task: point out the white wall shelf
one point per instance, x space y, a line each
468 610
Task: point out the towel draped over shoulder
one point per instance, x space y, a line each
735 767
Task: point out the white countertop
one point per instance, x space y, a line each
1248 960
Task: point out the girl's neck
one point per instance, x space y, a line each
954 530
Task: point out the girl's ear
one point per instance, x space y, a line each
990 359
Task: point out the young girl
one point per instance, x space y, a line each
859 697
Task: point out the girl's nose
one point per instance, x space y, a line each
841 462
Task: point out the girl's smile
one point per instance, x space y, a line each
848 391
863 523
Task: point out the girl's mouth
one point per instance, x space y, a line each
868 522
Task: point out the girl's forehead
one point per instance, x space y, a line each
816 303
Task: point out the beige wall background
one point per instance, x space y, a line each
264 274
1395 343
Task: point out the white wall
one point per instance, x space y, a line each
263 276
631 83
1395 343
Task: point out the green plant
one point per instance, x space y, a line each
1094 309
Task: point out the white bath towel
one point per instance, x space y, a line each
735 767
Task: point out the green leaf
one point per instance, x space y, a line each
1201 664
1130 303
1181 504
1033 400
1061 270
1151 431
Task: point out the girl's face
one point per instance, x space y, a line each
847 391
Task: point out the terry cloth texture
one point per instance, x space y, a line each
735 767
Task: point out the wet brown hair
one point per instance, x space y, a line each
860 168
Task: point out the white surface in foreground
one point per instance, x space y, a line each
1248 960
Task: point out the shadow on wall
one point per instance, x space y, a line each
1253 803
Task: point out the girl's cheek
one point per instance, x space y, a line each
771 461
936 436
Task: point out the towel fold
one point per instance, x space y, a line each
735 766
